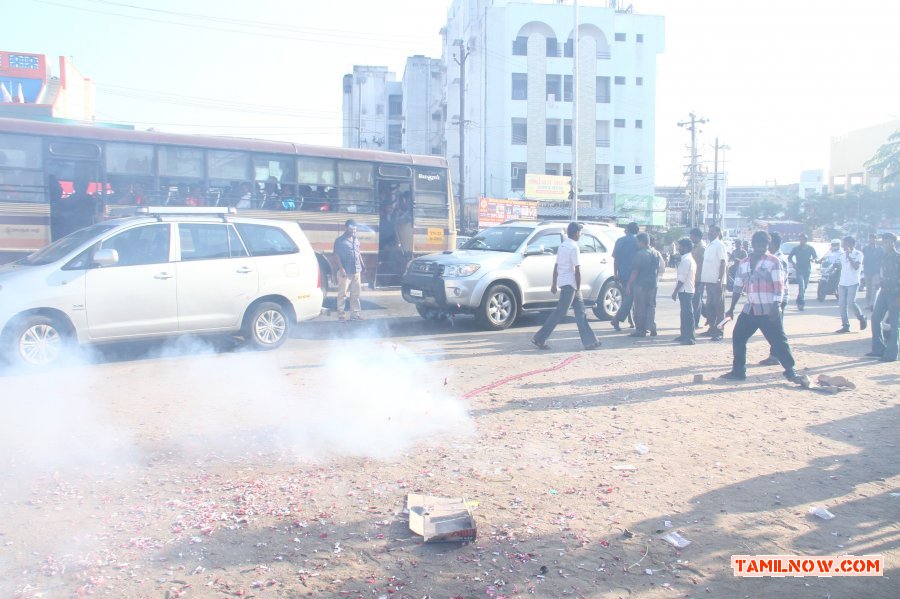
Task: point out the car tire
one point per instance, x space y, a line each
499 308
38 341
267 326
609 301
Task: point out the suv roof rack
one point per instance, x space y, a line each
160 211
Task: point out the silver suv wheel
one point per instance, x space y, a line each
609 302
499 307
38 342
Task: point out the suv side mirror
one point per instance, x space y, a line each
534 250
106 257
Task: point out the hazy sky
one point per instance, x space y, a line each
775 79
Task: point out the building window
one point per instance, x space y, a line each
520 46
618 170
379 109
639 81
553 131
639 124
603 90
640 38
551 169
519 86
395 137
567 170
619 123
567 88
552 47
567 132
395 106
519 132
620 37
638 170
553 88
517 175
569 48
620 80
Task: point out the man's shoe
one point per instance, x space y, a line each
687 342
734 376
717 337
801 379
770 361
886 359
653 333
843 330
342 317
539 345
863 323
872 354
595 345
357 317
637 334
706 334
615 325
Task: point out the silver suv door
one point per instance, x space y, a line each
594 260
217 279
137 296
537 269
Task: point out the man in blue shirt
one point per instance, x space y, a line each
624 251
349 271
872 255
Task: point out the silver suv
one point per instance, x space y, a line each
168 272
508 269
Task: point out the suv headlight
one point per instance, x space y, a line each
460 270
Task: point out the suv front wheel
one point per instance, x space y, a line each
499 308
609 301
38 341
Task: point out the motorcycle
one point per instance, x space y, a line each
830 277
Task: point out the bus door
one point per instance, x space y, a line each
74 185
395 223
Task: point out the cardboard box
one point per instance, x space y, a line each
441 519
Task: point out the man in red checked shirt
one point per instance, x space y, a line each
759 276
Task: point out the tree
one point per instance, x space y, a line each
886 160
762 210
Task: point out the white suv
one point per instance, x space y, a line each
507 269
167 272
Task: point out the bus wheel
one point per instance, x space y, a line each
267 326
38 341
499 308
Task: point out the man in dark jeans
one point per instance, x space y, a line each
802 258
697 255
623 256
642 287
759 276
887 303
684 291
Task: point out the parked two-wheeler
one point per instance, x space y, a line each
829 278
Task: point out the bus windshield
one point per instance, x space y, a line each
62 247
498 239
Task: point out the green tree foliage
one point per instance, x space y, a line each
886 160
765 209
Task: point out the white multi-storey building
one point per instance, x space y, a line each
518 61
373 109
423 107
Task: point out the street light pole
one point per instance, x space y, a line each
461 61
573 209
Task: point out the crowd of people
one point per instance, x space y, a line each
760 274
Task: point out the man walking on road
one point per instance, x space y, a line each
887 302
802 257
697 255
712 276
684 291
642 287
872 255
851 265
775 250
349 271
567 279
759 276
623 256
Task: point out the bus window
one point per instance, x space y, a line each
20 151
20 177
130 174
181 162
361 201
317 179
431 179
275 185
394 171
355 174
228 177
430 205
76 150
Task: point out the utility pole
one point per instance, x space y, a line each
461 61
573 209
692 127
716 218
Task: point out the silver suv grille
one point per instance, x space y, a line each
423 267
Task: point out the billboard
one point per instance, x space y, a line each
547 187
644 210
492 211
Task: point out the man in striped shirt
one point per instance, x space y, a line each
760 276
775 250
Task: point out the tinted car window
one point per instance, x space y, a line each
148 244
548 242
59 248
589 244
209 242
262 240
499 239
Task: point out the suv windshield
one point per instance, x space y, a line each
499 239
62 247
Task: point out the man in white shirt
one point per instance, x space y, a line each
851 260
684 291
567 278
712 276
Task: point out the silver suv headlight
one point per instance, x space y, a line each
460 270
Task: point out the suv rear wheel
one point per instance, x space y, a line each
609 301
499 308
267 326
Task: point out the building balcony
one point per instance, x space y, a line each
602 143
